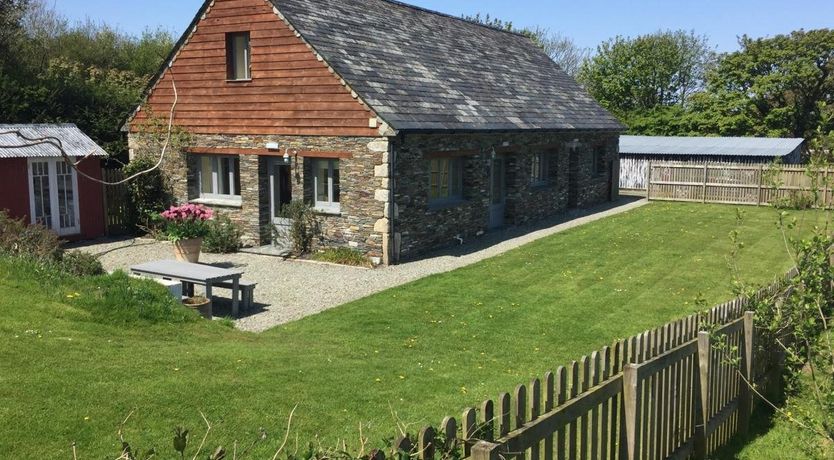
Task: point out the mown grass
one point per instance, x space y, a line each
414 353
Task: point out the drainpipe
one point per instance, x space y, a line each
393 250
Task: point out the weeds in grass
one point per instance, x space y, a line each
342 256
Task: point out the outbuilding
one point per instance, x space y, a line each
636 152
39 185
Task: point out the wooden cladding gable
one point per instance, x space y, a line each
291 92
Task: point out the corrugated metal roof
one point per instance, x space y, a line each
74 142
709 146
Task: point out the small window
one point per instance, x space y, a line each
219 177
238 57
446 180
540 167
599 160
326 186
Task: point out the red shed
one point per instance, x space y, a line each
37 184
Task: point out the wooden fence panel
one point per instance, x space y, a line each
115 202
744 184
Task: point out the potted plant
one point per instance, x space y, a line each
185 227
201 304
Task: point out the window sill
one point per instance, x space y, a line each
222 202
245 80
327 212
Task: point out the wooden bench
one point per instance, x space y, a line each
247 291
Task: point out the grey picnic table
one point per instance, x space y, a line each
190 274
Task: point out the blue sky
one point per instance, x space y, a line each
587 22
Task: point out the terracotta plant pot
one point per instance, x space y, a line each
201 304
188 250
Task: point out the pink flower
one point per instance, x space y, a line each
188 212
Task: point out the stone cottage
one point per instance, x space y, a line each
405 129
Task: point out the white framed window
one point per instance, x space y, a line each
539 169
219 178
326 186
53 195
238 56
445 180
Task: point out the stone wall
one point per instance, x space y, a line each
386 226
361 223
419 226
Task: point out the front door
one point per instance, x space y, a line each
53 195
497 193
280 194
280 187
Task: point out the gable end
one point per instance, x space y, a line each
292 90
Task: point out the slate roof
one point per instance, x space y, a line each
73 140
422 70
709 146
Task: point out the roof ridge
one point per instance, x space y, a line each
41 125
703 136
447 15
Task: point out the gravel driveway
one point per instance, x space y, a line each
289 290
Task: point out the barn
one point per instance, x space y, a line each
636 152
38 185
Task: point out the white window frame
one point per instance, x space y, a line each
52 174
329 206
216 197
543 176
455 175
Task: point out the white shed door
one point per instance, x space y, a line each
53 195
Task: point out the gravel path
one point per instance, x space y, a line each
290 290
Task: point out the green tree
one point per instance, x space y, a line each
776 86
88 73
11 15
636 75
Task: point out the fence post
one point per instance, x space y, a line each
649 182
706 172
746 393
761 181
701 405
632 403
484 450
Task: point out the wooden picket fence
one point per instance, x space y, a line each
115 202
634 172
745 184
665 393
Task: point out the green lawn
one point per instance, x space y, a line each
422 351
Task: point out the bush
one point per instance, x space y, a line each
304 227
147 194
18 238
40 245
343 256
81 264
224 236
